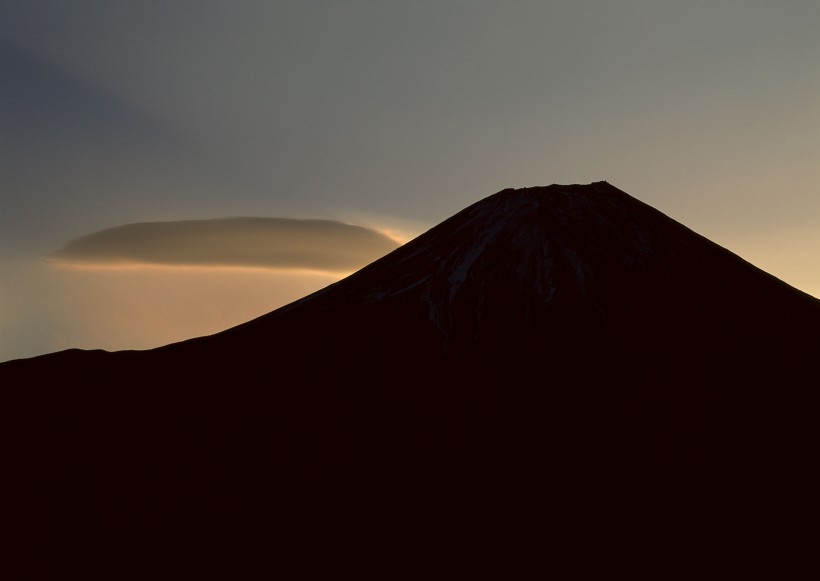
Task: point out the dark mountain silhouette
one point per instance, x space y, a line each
562 362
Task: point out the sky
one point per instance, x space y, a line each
390 116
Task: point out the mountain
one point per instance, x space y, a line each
564 357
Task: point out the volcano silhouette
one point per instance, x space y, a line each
555 354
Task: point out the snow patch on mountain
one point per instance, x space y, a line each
460 270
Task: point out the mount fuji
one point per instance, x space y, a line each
561 356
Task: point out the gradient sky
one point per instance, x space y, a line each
391 115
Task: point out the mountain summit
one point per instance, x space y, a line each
607 265
555 353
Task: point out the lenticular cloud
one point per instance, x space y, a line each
257 242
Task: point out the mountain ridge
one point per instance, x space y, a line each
442 277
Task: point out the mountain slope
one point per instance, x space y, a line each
563 353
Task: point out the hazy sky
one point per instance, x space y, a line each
391 115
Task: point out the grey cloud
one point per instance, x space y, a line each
262 242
